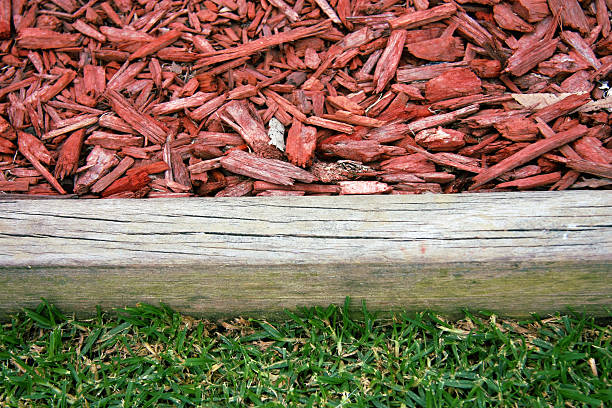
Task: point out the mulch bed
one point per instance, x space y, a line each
130 99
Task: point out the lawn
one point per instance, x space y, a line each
149 356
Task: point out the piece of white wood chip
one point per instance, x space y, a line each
599 104
539 100
277 134
542 100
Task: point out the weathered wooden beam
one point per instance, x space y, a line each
512 253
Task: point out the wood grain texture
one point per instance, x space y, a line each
513 253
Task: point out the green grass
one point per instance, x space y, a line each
153 357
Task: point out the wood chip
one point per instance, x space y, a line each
529 153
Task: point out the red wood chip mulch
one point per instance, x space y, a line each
230 98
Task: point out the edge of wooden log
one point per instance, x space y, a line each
510 253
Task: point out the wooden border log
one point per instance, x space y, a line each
512 253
